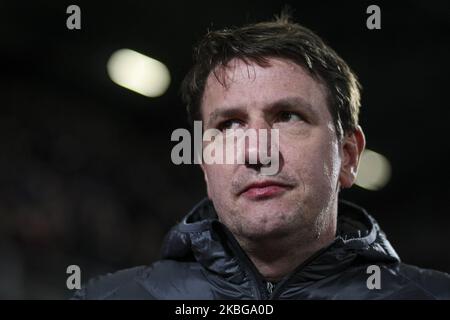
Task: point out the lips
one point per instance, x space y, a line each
264 189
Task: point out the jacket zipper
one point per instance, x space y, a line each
282 284
270 287
265 289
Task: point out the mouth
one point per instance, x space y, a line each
264 190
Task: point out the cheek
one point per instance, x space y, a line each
329 165
315 160
219 177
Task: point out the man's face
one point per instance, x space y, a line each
282 96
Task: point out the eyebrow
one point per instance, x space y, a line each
292 103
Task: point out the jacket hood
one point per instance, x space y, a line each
201 237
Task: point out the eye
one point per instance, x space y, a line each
229 124
287 116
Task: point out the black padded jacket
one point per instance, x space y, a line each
202 260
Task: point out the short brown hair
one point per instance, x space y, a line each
283 39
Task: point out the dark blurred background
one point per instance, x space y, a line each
86 176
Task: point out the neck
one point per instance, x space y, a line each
277 257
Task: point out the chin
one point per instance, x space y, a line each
265 223
264 232
267 209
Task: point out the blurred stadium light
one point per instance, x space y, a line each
139 73
374 171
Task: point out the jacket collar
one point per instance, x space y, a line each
201 237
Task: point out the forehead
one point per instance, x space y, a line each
251 86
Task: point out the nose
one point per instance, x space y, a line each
257 145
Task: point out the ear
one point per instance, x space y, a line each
351 149
205 176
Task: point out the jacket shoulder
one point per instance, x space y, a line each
142 282
113 285
435 284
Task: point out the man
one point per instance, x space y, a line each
281 236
